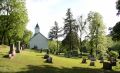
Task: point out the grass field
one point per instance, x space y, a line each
29 61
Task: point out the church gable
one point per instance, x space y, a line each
38 40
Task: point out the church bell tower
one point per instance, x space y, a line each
37 29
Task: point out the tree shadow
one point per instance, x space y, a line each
50 69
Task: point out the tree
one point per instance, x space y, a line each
115 33
26 37
55 32
97 36
70 31
118 6
81 25
13 18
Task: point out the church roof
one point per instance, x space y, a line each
37 26
37 34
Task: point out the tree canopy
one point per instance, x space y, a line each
13 20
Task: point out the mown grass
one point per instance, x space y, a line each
29 61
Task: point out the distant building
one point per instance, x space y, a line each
38 41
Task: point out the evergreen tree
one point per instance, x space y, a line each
70 31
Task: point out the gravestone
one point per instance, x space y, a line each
101 59
12 51
49 60
113 61
18 48
84 60
89 56
107 66
46 56
92 59
92 63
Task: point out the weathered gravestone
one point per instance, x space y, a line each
107 66
12 51
93 59
49 60
113 61
101 59
18 48
46 56
92 63
84 60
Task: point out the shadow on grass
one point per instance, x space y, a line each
50 69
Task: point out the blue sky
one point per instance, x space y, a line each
45 12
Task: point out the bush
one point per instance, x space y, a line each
113 54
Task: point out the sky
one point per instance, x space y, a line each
46 12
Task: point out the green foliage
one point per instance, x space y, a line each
52 46
26 37
70 41
116 46
113 54
13 20
110 42
115 33
98 40
118 6
74 42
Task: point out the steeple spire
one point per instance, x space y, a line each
37 28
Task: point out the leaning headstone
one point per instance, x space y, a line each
84 60
49 60
12 51
92 63
18 47
107 66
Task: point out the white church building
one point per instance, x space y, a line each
38 41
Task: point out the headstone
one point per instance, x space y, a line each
49 60
92 63
89 56
12 51
92 59
47 51
18 47
84 60
107 66
113 61
101 59
46 56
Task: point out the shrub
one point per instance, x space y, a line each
113 54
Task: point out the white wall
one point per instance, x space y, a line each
40 41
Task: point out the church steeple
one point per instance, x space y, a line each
37 29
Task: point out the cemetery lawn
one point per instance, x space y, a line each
29 61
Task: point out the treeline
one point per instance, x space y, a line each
82 36
13 21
